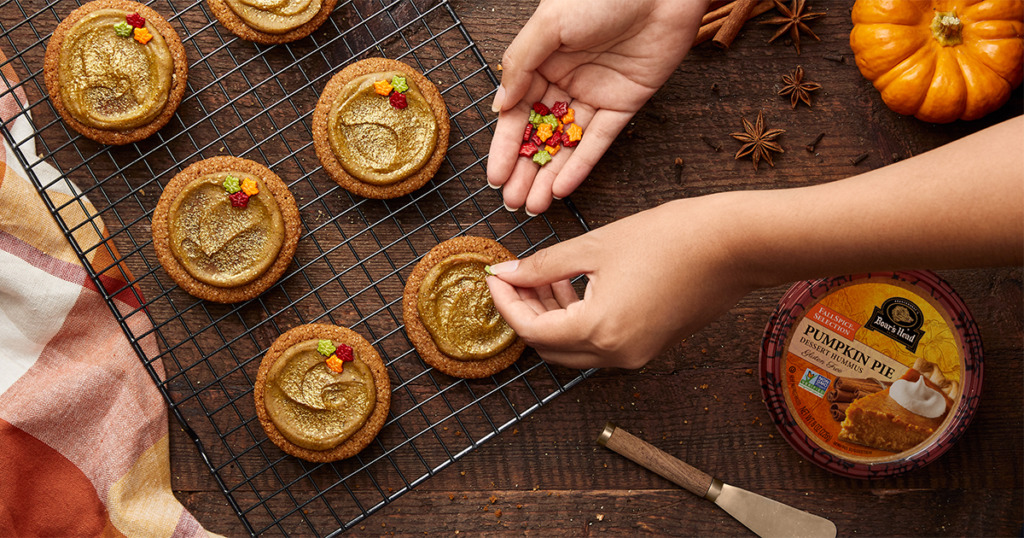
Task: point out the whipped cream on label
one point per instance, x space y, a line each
918 398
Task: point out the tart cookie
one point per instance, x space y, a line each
115 71
333 398
458 331
271 23
380 128
225 229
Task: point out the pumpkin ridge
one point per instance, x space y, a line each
922 58
890 44
946 97
976 73
1006 72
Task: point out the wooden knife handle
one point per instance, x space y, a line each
639 451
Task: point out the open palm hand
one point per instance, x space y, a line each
605 58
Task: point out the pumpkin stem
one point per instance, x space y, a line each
946 28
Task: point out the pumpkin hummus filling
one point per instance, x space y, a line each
275 16
456 307
317 403
322 392
449 312
375 140
217 242
109 80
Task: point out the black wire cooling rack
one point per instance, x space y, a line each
353 257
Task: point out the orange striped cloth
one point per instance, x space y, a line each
83 429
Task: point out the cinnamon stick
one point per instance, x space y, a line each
835 395
854 384
739 16
709 30
716 14
838 411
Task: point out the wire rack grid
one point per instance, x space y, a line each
349 269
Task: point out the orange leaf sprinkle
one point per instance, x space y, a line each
250 187
544 131
383 87
335 364
574 131
552 150
569 117
142 35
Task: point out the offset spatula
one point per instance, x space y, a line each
767 518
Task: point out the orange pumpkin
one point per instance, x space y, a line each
940 60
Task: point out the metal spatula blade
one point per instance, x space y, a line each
767 518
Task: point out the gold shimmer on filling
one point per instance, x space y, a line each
112 82
219 244
456 307
275 16
376 142
313 406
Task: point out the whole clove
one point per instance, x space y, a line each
810 147
710 144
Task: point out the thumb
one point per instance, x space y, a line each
534 43
563 261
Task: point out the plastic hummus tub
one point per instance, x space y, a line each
872 375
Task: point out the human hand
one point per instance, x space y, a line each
654 278
606 58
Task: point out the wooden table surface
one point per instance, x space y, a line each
701 400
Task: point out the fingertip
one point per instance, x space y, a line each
539 198
499 99
533 209
503 267
564 185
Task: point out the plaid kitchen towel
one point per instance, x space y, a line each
83 429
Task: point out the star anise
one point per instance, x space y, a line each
758 143
797 89
794 21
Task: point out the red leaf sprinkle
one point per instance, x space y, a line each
239 199
527 149
135 20
398 100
